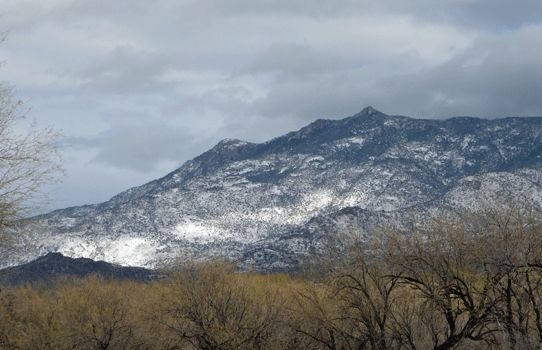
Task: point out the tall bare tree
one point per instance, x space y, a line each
29 160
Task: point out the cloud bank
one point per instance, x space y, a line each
141 87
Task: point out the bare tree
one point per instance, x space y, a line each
29 160
211 308
440 265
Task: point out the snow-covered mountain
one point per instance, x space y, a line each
502 191
267 203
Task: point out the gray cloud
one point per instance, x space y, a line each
498 16
498 76
492 15
127 70
141 84
138 148
296 60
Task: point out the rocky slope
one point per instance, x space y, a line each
250 201
471 195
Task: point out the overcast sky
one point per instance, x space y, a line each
139 87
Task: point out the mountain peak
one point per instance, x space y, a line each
369 110
228 149
231 142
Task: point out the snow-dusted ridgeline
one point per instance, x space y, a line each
240 198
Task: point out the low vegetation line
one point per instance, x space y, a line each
467 282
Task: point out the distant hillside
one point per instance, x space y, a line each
53 265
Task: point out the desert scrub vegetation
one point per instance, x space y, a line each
467 282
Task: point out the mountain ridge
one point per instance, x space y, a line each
238 194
